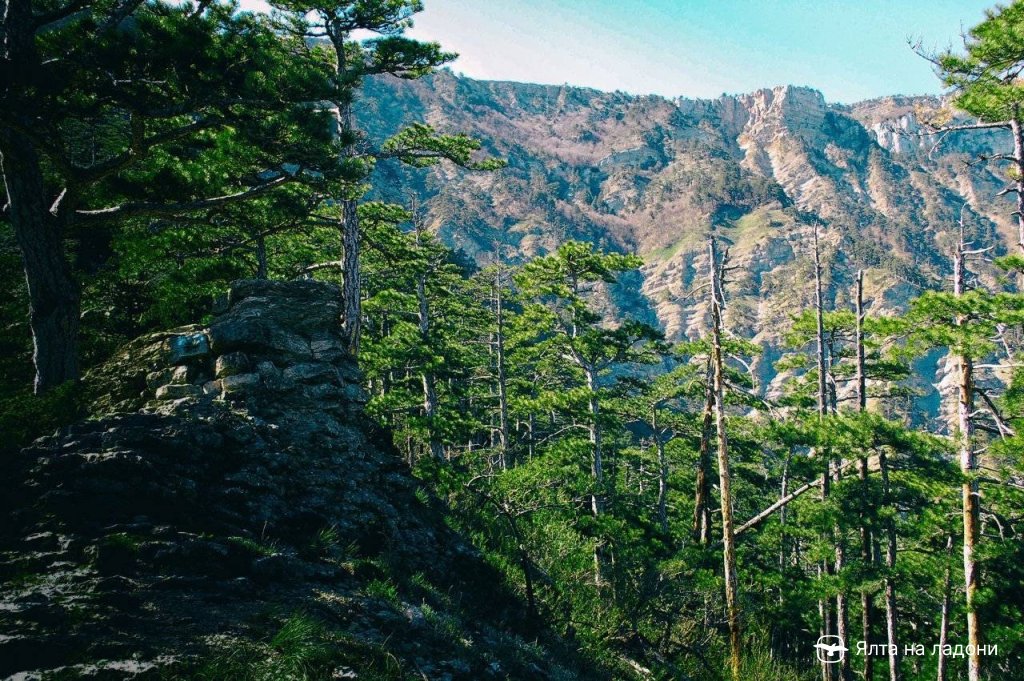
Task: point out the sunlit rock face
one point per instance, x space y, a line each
654 176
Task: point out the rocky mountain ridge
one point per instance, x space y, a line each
654 176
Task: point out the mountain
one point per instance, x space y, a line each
652 175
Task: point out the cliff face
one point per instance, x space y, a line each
235 515
653 176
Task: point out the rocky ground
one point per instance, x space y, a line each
231 513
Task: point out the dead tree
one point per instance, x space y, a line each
724 476
866 553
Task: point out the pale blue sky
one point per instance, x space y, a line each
848 49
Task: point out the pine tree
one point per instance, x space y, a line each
986 82
353 59
422 346
965 323
560 284
99 124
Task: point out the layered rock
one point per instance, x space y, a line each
236 482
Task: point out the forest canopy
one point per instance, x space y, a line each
648 496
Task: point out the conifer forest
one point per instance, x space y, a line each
321 361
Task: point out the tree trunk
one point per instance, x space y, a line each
824 607
890 563
702 497
819 309
261 257
594 432
351 286
866 554
947 585
862 380
1018 162
867 557
866 605
596 462
428 379
971 513
724 476
499 344
783 514
968 467
54 295
842 616
531 441
662 472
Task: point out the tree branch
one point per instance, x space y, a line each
172 209
760 517
140 148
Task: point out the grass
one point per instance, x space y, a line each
299 651
325 543
689 241
754 227
382 589
758 665
255 547
302 649
444 625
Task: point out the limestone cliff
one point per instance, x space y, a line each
231 513
652 175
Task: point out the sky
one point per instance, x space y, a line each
849 49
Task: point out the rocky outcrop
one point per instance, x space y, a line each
233 488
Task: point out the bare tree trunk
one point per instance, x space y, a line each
662 472
866 554
890 563
724 475
1018 162
968 467
947 585
499 346
702 497
54 294
824 606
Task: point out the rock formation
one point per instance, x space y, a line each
229 488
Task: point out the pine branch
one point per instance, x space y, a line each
151 209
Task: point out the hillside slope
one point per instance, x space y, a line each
653 176
231 514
